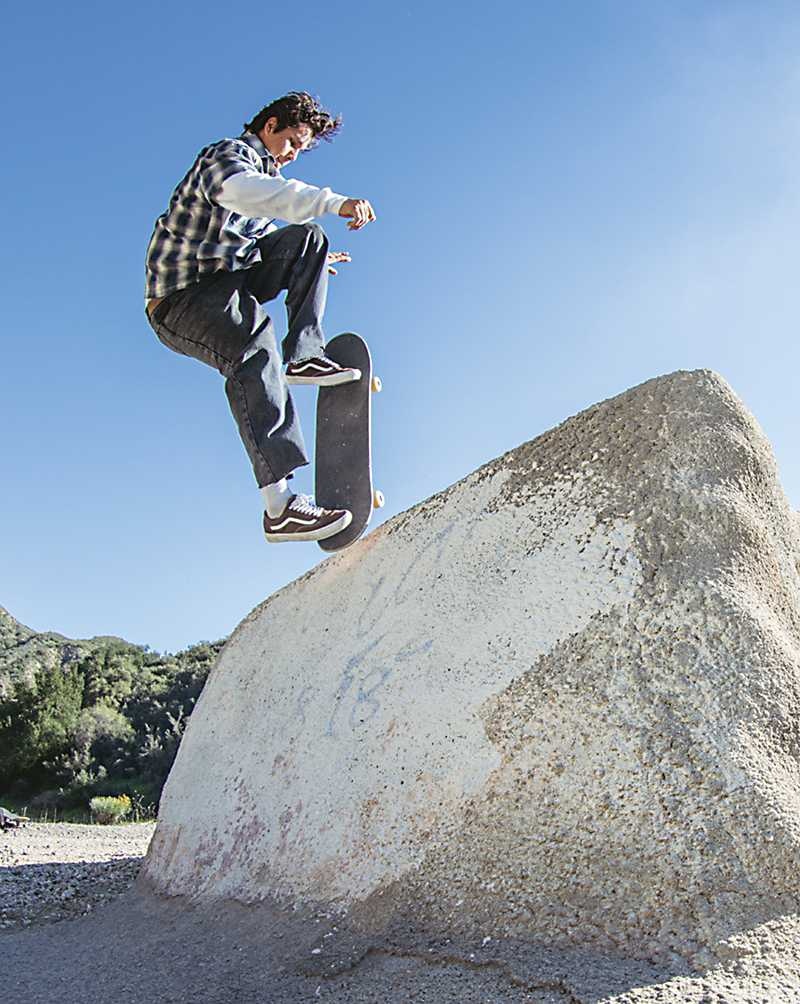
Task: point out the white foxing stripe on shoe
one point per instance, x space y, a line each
299 367
294 519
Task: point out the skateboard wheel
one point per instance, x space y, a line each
378 501
376 385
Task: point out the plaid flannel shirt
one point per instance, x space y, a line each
196 235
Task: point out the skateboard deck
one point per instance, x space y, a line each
343 450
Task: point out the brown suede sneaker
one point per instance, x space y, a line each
302 520
321 372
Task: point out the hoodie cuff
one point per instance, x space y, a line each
335 203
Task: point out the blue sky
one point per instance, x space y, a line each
572 198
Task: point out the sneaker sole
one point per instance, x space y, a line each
320 534
326 381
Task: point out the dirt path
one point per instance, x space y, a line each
116 943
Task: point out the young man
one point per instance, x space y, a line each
216 255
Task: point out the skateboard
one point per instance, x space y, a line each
343 451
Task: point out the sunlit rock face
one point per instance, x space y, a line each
559 701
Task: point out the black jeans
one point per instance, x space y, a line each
219 320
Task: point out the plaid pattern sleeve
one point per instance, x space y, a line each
196 236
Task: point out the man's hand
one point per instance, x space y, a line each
358 211
335 257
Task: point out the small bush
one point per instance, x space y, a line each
143 795
110 808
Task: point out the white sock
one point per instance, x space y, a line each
276 496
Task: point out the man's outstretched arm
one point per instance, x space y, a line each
257 195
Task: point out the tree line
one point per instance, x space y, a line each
108 723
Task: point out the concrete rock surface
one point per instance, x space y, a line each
556 705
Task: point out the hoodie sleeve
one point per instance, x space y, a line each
257 195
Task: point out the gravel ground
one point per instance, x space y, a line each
59 871
118 943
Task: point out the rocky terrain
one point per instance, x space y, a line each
58 871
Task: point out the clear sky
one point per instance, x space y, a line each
572 198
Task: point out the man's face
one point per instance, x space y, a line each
286 145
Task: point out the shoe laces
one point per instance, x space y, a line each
304 504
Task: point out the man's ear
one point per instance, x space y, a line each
270 125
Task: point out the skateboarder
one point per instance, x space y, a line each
217 254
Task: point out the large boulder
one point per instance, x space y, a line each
558 702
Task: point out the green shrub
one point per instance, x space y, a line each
143 796
36 726
109 808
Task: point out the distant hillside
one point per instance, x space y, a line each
24 651
92 716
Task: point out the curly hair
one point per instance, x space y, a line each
295 108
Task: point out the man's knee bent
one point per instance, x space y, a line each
309 237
